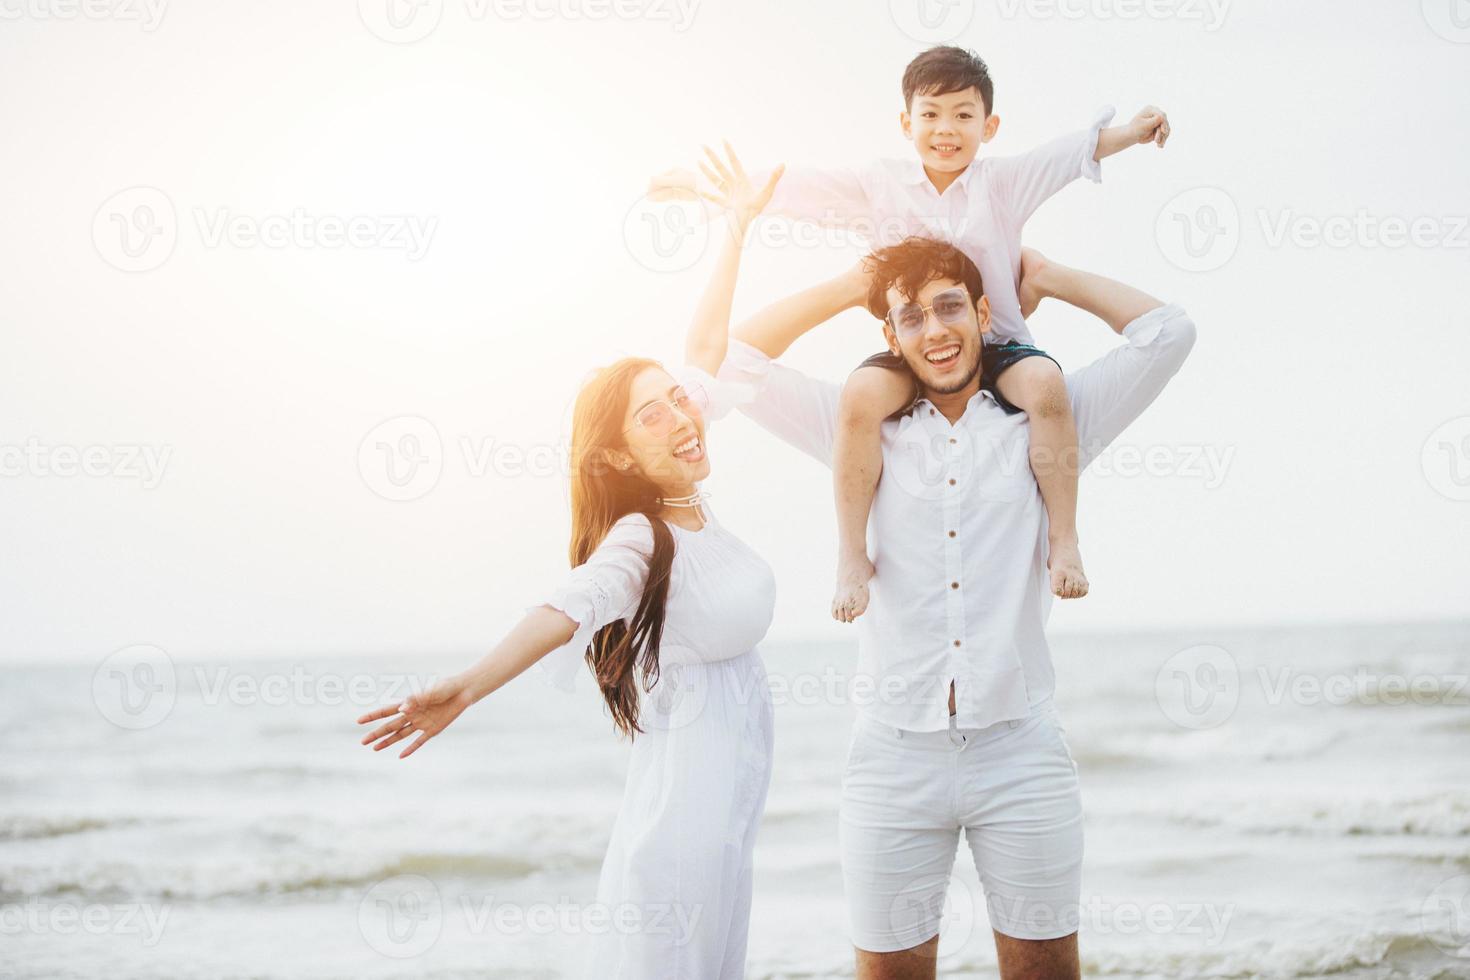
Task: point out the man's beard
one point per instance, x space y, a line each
918 365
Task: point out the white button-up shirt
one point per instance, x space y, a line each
981 213
958 530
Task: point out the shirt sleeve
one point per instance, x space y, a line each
1112 391
835 198
1023 182
725 394
605 588
794 408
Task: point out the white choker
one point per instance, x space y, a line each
692 500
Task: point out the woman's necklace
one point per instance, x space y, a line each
692 501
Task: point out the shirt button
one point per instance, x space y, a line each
931 411
951 534
954 585
951 482
953 441
956 642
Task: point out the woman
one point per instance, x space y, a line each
664 602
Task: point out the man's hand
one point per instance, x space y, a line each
1151 125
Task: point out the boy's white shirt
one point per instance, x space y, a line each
982 212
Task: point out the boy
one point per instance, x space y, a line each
979 206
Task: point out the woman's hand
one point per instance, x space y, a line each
734 193
428 714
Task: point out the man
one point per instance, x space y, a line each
962 733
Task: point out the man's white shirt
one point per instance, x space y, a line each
958 529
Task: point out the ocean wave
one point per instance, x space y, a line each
15 827
1398 954
197 879
1444 814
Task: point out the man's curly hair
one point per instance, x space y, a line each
911 265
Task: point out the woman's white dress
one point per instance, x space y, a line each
675 887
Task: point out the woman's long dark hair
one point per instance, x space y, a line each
601 493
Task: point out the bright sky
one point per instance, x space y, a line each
241 237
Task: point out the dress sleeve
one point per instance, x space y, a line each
605 588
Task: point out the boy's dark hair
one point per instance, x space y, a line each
945 69
911 265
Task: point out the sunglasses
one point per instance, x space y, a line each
658 418
950 307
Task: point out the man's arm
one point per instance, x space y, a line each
1108 394
791 406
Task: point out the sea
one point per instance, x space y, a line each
1287 802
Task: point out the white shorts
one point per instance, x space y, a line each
906 795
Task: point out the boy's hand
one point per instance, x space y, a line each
1151 125
674 185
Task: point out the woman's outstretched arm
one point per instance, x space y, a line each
709 332
539 632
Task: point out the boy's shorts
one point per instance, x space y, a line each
994 359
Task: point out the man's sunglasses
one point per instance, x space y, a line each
950 307
658 418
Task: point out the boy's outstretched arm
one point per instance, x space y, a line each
1151 125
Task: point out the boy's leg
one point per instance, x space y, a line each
870 395
1036 386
